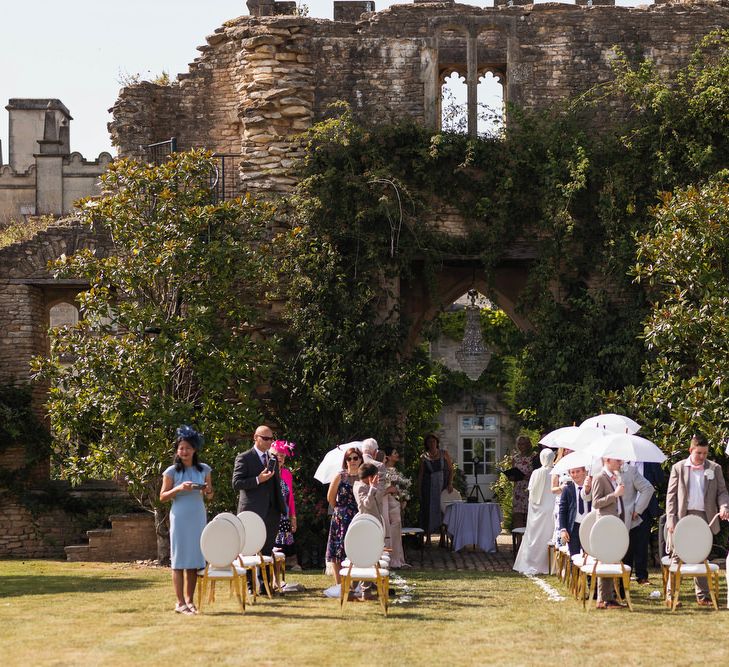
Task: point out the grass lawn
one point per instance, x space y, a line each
57 613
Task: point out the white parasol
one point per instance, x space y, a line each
332 463
581 459
612 422
575 438
627 447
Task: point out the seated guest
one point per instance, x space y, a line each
574 504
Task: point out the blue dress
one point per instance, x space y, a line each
187 519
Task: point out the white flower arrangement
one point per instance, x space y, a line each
709 474
403 484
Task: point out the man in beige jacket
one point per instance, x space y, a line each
696 486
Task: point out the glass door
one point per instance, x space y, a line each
479 445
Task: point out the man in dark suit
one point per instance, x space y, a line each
640 535
256 478
574 504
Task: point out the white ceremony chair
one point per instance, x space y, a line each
692 541
578 561
608 543
250 556
384 559
220 543
363 546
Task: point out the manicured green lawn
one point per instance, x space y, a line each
56 613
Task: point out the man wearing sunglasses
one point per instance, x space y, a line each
256 478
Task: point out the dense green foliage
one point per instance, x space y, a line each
166 333
684 261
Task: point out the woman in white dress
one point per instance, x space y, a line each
532 557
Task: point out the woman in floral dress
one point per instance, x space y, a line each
341 498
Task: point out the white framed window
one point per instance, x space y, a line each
479 439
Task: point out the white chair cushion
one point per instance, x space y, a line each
363 572
694 568
363 543
382 563
666 561
582 559
220 543
585 527
609 539
255 531
605 569
565 549
250 561
692 539
219 573
279 556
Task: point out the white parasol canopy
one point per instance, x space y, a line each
581 459
612 422
331 464
627 447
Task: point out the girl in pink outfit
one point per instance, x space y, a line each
287 525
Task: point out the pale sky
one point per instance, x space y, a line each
77 51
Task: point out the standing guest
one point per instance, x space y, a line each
284 541
574 504
522 461
558 483
393 509
341 499
370 452
434 474
696 486
624 494
258 481
532 557
185 483
640 535
370 498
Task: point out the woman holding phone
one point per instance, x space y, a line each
186 482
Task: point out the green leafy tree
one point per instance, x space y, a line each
167 329
684 263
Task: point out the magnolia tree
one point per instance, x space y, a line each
684 262
167 329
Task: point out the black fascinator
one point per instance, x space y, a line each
188 433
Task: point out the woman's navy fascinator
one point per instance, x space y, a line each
188 433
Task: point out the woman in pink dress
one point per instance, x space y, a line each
284 541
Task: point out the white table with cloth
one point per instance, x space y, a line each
473 523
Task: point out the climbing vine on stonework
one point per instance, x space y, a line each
579 182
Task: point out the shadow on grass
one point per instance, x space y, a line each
39 584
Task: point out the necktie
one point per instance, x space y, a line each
265 459
580 502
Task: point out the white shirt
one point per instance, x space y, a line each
697 482
619 499
578 516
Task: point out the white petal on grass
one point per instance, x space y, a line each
553 594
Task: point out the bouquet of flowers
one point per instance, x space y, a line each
396 478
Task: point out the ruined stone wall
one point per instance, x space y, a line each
259 81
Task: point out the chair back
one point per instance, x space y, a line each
585 527
609 539
232 518
363 543
255 533
692 539
368 517
220 543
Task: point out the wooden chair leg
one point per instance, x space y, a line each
626 586
675 591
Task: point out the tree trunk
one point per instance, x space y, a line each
162 528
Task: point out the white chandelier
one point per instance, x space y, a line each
473 355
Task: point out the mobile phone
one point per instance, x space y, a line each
198 487
271 465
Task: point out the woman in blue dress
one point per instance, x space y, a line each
186 482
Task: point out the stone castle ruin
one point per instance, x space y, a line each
43 176
261 80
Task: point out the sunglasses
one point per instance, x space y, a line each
353 458
267 438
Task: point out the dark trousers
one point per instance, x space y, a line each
574 543
637 554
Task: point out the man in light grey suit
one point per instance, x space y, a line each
623 494
696 486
